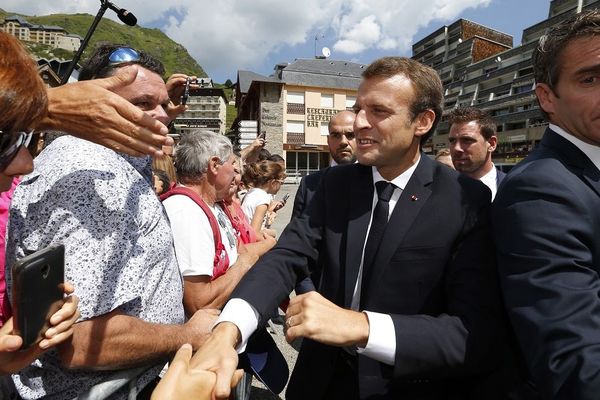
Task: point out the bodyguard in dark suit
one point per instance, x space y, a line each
472 140
547 219
407 308
342 148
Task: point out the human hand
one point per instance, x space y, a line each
61 329
198 327
312 316
276 205
61 322
91 111
183 382
218 354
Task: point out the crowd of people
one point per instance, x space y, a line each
414 278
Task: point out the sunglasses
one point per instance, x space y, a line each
123 55
10 144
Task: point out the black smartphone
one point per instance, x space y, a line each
285 198
186 90
37 292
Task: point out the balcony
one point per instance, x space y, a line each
293 108
295 138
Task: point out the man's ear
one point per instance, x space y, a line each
493 142
424 122
546 97
213 164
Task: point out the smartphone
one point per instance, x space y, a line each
186 90
37 292
285 198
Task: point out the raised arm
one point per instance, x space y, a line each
91 111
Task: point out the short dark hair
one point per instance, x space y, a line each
546 58
425 80
97 66
461 115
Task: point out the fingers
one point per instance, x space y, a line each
9 343
68 288
225 377
124 77
181 361
68 311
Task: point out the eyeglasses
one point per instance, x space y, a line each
222 218
10 144
123 55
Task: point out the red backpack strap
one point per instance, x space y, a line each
221 260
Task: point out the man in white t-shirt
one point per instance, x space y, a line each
205 165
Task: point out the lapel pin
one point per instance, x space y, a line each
414 198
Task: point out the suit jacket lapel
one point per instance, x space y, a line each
413 198
574 157
359 215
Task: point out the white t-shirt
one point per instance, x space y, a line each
193 237
254 198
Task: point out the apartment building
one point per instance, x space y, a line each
293 107
207 108
480 67
54 36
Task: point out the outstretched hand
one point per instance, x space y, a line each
91 111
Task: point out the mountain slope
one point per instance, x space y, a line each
173 55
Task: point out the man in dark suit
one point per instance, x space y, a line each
406 309
546 219
472 140
342 145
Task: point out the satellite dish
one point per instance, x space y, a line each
459 40
326 52
498 59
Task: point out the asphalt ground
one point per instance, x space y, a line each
259 391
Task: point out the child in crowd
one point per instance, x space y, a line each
264 179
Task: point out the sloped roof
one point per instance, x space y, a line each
323 73
245 79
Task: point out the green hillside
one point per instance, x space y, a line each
174 56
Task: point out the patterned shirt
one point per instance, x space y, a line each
119 250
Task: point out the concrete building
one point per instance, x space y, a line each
207 108
54 36
499 80
293 107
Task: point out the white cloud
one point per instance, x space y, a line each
227 35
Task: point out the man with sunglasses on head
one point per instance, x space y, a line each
118 252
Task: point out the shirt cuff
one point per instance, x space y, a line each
240 313
381 345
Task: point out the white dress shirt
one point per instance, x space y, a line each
381 344
593 152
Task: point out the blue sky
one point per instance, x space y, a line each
225 36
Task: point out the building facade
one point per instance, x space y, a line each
493 76
207 108
54 36
293 107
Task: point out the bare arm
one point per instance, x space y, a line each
89 110
258 218
200 292
261 246
116 340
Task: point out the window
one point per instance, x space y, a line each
327 100
295 126
350 101
295 97
324 128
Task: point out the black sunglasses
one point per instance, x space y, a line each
10 144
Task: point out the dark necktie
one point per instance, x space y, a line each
378 224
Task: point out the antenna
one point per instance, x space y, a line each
316 39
